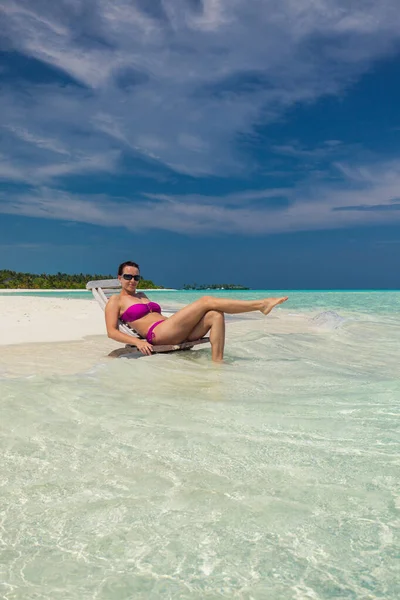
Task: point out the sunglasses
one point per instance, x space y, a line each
129 277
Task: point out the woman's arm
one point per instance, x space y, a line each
112 315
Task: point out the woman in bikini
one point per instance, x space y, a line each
188 324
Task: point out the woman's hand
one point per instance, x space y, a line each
144 347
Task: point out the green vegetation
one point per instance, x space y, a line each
31 281
214 286
15 280
147 284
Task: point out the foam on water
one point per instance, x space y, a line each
328 319
275 475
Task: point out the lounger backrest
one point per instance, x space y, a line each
109 287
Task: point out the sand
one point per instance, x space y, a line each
44 335
34 319
30 319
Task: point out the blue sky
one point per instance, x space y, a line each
251 142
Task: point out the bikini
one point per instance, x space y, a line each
137 311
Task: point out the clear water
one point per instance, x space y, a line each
367 302
275 475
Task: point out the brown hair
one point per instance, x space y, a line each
128 263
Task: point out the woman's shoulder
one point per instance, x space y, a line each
114 301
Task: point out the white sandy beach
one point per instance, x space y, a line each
60 335
44 335
47 335
30 319
34 319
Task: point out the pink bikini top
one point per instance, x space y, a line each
139 310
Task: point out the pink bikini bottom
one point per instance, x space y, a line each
150 335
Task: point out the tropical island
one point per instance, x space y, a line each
14 280
214 286
59 281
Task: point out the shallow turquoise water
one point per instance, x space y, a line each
366 302
275 475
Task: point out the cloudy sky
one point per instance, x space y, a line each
245 141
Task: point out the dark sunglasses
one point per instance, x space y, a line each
129 277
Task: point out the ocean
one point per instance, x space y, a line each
272 476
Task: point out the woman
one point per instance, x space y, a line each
188 324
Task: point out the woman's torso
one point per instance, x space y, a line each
138 319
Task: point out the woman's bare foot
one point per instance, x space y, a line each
270 303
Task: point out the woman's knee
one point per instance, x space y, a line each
207 301
215 316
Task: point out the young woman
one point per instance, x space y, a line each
188 324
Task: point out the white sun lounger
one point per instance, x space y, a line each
102 289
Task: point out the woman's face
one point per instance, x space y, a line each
129 278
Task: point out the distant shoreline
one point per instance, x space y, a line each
73 291
269 290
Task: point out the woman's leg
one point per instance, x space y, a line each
177 328
213 322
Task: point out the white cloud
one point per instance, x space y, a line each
177 81
234 199
40 142
310 206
